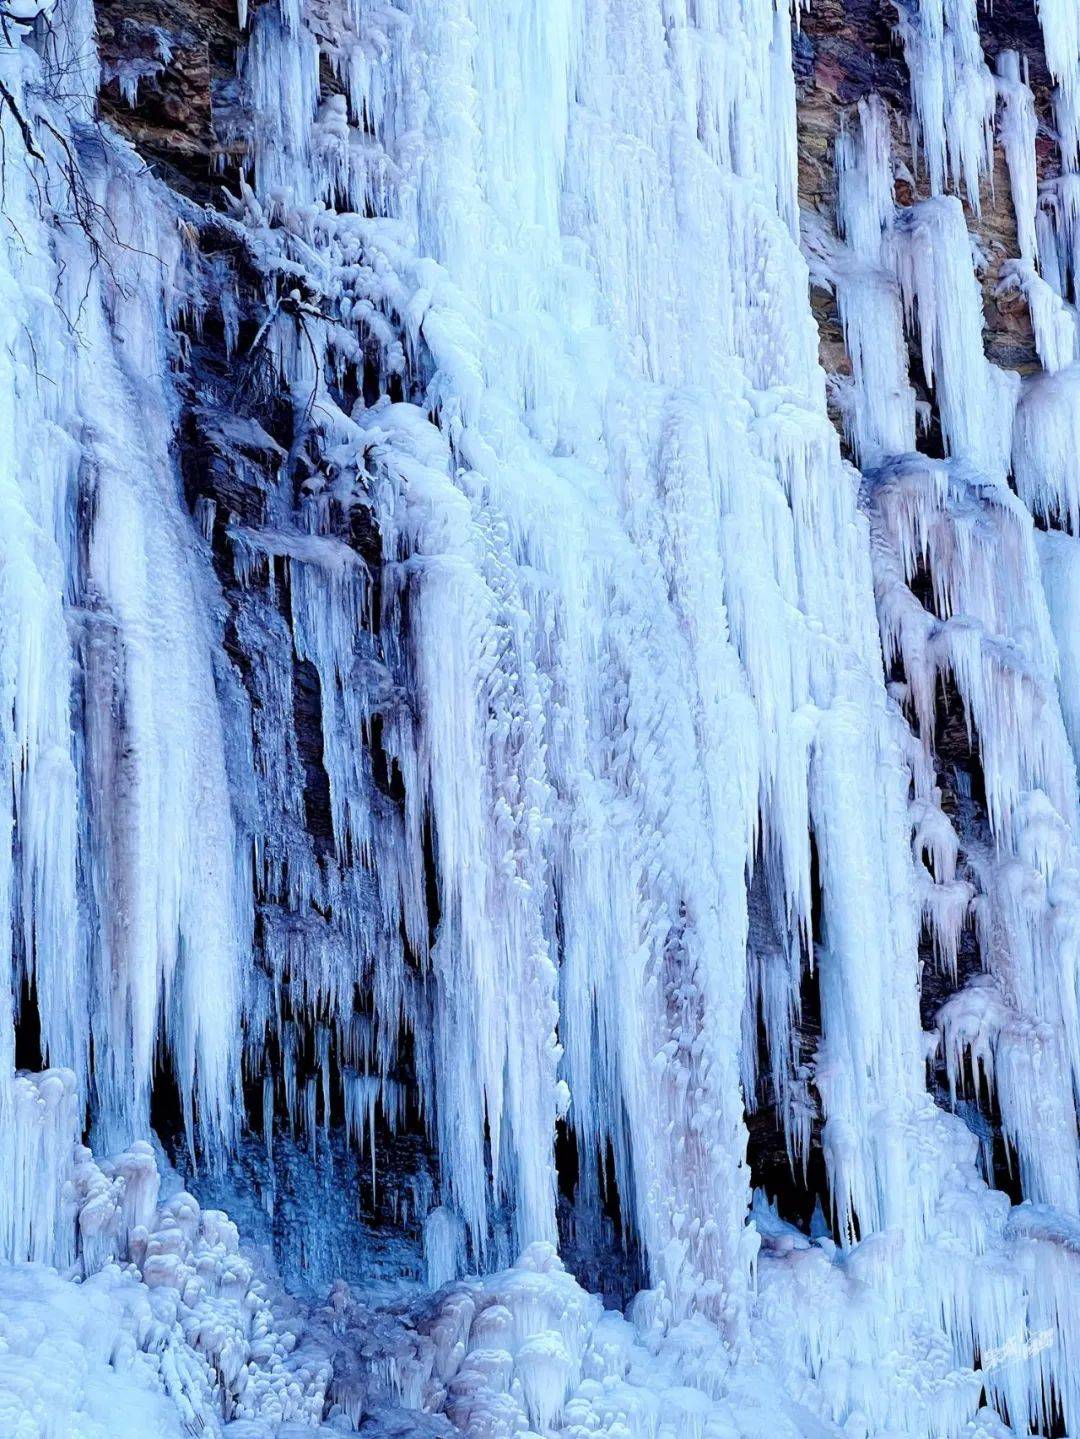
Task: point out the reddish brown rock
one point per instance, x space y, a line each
180 56
847 49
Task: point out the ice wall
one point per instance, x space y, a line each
640 625
514 720
127 920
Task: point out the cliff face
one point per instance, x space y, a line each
172 84
170 72
495 791
846 50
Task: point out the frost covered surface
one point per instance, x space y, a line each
644 725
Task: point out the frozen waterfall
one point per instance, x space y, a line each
540 880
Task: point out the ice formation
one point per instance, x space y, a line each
480 753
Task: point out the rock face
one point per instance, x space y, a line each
170 85
590 880
170 70
846 50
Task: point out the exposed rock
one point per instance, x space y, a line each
847 49
169 68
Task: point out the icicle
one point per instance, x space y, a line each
952 92
1046 442
1059 555
943 301
1053 320
1061 36
1016 131
880 414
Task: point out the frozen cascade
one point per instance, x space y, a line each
952 91
87 629
474 737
